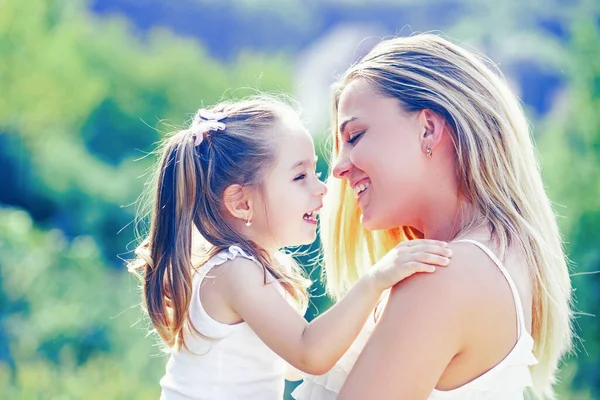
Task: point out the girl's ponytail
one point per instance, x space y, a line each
167 284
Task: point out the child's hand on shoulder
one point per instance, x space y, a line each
408 258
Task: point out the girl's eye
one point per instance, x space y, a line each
354 138
300 177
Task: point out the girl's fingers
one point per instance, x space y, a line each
418 242
432 259
414 267
420 267
434 249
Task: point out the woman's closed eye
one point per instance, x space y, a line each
353 138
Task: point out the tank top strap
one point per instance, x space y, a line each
209 326
228 254
224 255
513 287
200 318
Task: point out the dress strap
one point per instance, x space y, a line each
513 287
212 327
224 255
201 320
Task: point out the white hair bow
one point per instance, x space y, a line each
206 121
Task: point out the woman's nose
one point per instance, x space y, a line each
342 165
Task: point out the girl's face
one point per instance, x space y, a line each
292 194
380 156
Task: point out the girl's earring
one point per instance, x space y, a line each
248 223
428 151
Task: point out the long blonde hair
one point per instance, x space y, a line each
188 190
497 169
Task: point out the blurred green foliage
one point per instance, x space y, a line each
83 99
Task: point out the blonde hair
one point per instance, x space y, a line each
188 190
498 173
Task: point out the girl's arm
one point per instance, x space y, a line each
315 347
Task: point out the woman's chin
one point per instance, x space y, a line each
373 223
368 223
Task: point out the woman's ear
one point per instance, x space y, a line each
238 202
434 130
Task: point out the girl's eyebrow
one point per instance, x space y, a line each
305 162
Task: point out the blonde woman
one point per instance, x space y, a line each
430 142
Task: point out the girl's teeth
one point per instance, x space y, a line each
311 216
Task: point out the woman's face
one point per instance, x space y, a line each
382 156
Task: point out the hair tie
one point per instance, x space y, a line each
206 121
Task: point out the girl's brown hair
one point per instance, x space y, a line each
188 190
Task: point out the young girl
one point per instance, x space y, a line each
230 192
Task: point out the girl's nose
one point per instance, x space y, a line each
321 188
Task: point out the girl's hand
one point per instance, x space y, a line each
406 259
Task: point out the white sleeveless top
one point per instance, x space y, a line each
233 364
506 381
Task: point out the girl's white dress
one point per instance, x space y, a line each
231 362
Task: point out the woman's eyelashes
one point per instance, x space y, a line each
353 138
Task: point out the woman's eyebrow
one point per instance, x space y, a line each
344 123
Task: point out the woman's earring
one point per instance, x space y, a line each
428 151
248 223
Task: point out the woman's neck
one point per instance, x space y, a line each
447 224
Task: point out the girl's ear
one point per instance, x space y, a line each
238 202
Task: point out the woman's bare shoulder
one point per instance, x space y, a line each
457 292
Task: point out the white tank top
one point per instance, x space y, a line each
233 364
506 381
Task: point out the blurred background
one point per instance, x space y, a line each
87 87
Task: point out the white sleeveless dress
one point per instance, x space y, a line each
508 380
233 364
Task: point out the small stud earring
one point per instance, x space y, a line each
248 223
428 151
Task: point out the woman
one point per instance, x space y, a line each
430 142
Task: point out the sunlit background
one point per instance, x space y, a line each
87 87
